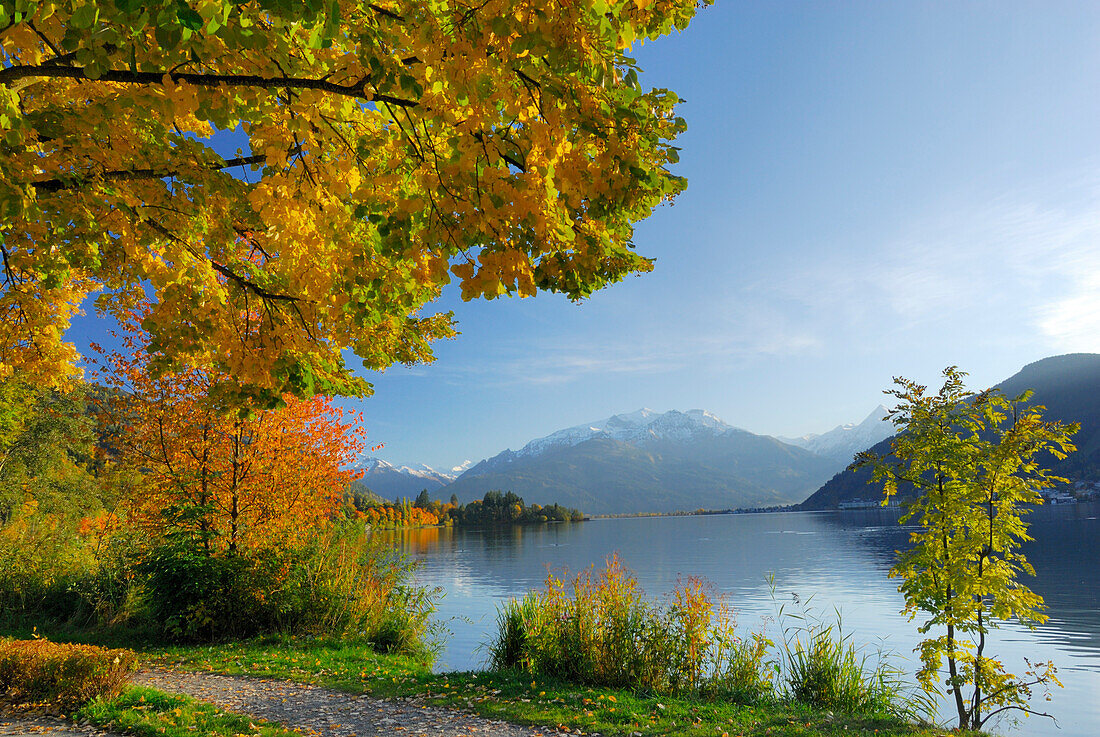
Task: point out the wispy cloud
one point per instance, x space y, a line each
1015 261
1072 322
656 352
1019 268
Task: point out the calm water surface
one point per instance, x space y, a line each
840 559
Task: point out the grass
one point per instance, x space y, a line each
351 667
520 698
509 695
146 712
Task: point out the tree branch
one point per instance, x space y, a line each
1017 708
129 175
1013 685
245 284
357 89
387 13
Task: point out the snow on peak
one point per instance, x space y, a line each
844 441
642 425
372 463
625 421
419 469
375 465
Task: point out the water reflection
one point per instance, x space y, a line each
841 559
1063 553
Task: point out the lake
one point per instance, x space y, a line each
840 559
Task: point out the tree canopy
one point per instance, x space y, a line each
47 448
386 148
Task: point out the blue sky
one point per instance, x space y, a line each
876 189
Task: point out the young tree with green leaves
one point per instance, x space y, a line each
47 448
970 467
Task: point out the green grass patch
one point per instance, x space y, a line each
509 695
146 712
351 667
522 699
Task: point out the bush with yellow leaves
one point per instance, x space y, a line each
62 676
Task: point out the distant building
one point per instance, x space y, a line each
863 504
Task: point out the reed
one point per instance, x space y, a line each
822 667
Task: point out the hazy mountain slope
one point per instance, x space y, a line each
1069 387
650 462
358 488
844 441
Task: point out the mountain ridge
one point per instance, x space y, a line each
1067 385
646 461
844 441
394 482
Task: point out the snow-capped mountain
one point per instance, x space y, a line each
461 468
393 482
644 461
636 428
649 461
371 464
844 441
377 465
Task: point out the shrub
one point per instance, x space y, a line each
112 589
741 672
826 672
63 676
202 595
40 561
346 583
340 582
600 630
517 619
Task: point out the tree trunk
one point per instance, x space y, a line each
960 705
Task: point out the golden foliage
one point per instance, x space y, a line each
385 148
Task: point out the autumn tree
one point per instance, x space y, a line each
227 480
47 448
385 148
970 467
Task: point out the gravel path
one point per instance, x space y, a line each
320 712
21 724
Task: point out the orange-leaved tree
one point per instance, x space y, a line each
229 481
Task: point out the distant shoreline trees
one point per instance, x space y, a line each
495 508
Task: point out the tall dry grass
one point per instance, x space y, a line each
599 629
